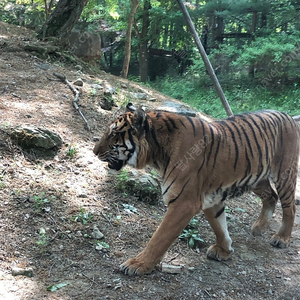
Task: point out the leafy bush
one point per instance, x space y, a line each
191 234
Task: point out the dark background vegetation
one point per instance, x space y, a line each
254 47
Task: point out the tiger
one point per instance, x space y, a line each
204 163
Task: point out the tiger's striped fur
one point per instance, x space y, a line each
202 164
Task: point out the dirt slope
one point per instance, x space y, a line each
48 208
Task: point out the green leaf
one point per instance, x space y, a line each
240 209
191 243
55 287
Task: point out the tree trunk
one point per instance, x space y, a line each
134 5
63 18
143 55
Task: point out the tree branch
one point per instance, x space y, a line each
76 99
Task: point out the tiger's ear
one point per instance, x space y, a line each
130 107
140 122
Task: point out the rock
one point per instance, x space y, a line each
171 269
178 108
297 118
40 140
97 234
78 233
85 44
109 90
99 247
15 271
139 96
78 82
107 103
143 185
96 86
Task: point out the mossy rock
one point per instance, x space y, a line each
145 186
41 141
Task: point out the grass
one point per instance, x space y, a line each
83 217
243 97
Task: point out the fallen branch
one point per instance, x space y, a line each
76 99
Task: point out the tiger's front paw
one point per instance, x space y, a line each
136 266
217 253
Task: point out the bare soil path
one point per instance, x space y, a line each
48 208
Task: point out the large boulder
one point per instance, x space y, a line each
85 44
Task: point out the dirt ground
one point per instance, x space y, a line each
48 208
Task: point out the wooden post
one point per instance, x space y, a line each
205 58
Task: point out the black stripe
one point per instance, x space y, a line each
175 166
168 126
201 165
257 126
269 128
279 127
224 196
286 195
219 188
247 140
167 164
235 145
192 123
217 151
248 169
122 127
182 123
279 171
172 122
173 200
154 136
220 212
158 114
166 190
286 205
212 144
256 141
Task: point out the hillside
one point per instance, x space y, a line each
49 207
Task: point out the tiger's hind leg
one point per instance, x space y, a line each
286 187
269 197
216 217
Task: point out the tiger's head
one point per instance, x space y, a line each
124 141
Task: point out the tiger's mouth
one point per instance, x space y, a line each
116 164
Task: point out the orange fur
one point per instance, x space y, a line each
201 165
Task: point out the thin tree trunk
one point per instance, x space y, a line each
205 58
134 5
143 55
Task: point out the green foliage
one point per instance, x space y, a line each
242 96
40 200
83 217
55 287
71 152
102 244
43 238
23 12
122 181
191 234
